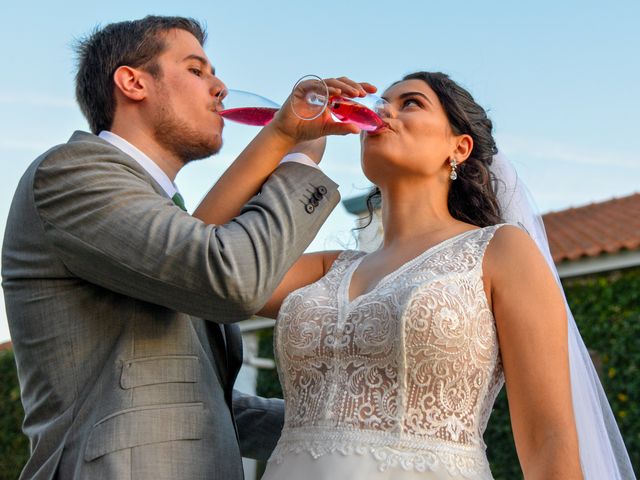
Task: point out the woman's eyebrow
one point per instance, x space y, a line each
411 94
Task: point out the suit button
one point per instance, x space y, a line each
321 190
317 197
313 201
309 208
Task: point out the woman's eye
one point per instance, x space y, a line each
411 101
196 71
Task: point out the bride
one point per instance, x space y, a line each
391 361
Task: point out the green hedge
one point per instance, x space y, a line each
607 311
14 446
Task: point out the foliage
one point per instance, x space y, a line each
607 311
14 445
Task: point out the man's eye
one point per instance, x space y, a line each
196 71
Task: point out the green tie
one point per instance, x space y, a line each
179 201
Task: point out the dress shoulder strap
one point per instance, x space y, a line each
485 235
342 261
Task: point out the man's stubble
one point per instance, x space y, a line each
177 136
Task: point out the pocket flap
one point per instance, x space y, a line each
166 369
143 426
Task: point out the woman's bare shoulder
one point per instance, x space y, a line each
510 239
512 251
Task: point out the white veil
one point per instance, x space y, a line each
602 451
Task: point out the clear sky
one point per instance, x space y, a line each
560 80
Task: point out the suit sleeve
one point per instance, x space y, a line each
259 421
110 227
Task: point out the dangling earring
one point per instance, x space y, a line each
453 175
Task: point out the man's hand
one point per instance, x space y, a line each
314 149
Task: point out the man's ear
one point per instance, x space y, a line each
131 82
463 147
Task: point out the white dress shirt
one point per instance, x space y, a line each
145 162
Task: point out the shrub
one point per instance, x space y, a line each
14 445
607 310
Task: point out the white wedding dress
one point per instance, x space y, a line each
396 384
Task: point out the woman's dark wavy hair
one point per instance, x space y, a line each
472 198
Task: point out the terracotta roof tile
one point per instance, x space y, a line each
5 346
588 231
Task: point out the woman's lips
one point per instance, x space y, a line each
378 131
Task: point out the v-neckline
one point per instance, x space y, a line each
346 279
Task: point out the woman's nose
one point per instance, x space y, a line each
384 109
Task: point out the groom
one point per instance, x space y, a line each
122 306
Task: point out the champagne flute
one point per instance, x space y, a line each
310 98
247 108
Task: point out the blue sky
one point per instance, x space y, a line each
560 80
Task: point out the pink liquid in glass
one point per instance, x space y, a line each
349 111
256 116
344 109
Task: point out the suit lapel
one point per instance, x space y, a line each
218 351
234 351
233 340
227 352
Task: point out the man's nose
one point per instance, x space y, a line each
217 85
219 91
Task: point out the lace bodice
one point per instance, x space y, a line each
407 372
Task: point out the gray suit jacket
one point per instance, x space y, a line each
106 286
